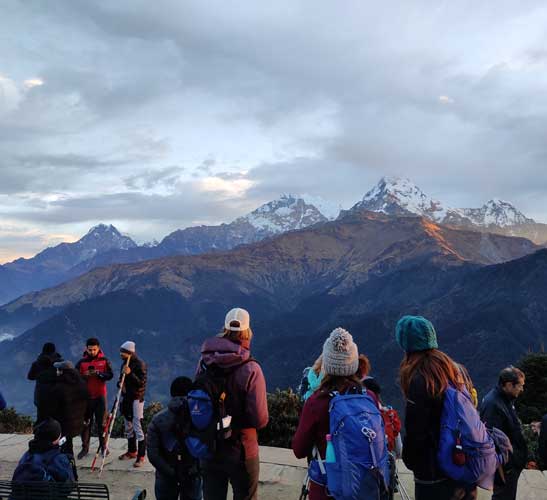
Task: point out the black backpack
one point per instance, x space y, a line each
210 423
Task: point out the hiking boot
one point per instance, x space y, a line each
83 453
139 462
128 455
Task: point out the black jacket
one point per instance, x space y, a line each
135 382
498 410
162 444
422 426
542 449
64 398
42 363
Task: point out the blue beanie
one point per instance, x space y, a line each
415 333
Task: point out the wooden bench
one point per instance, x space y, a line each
57 491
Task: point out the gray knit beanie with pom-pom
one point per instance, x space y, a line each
340 354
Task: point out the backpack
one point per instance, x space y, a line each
361 469
466 450
392 424
210 423
32 467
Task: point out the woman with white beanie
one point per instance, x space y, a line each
340 363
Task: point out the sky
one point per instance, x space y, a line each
155 116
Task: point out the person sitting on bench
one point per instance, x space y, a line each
44 460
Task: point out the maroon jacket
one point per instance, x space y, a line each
312 429
246 400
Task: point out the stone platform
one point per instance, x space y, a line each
281 474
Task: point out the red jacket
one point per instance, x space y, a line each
96 384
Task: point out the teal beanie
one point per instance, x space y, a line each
415 333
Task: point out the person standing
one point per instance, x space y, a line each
62 395
425 374
177 472
498 410
340 374
132 403
45 360
236 458
96 370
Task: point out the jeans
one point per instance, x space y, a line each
444 490
242 475
167 488
95 412
507 491
133 426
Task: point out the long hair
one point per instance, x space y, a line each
339 383
318 365
437 368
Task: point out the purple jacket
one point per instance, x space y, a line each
246 400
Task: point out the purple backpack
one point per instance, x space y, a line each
466 451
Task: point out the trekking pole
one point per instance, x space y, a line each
103 434
305 488
113 419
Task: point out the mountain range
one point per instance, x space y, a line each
105 245
362 271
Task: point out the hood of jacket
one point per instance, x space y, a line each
223 352
47 360
176 404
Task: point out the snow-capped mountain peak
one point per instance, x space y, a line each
496 212
400 196
288 212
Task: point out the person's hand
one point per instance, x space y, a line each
536 427
126 370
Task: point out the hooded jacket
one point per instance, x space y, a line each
57 464
42 363
96 384
498 410
246 401
64 398
162 443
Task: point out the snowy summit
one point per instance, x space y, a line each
287 213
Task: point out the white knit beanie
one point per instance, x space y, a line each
340 354
128 346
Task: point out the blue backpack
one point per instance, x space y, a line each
32 467
361 469
466 450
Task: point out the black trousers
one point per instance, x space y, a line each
95 412
242 475
507 491
167 488
444 490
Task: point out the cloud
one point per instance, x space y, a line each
157 115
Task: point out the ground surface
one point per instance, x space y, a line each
281 474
